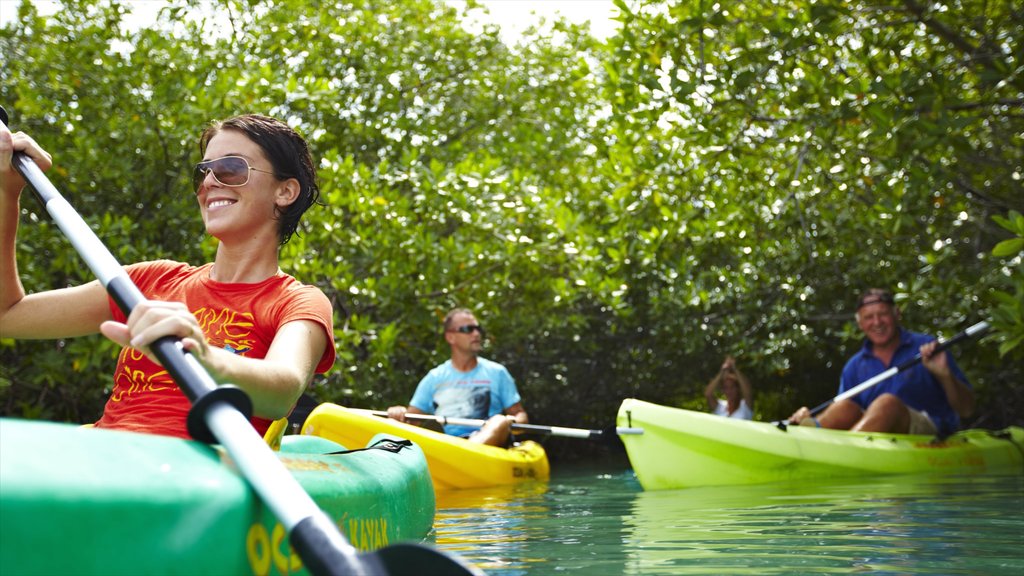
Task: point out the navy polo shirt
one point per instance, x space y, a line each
915 386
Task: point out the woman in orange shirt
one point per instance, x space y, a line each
244 319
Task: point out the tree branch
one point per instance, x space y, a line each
985 58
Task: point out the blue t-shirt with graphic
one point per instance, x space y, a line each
480 393
915 386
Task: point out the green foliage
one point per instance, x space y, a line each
1008 312
714 179
812 150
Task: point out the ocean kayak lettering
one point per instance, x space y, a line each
257 548
957 461
272 550
305 464
520 472
367 533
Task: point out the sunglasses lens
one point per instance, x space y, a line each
229 171
198 175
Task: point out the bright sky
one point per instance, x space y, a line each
513 16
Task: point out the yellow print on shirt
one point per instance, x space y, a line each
128 381
227 329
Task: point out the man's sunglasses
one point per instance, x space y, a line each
229 171
470 328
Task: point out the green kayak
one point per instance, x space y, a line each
682 449
84 501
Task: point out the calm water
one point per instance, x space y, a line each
601 523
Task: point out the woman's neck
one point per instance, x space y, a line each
243 266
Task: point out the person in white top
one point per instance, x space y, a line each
739 395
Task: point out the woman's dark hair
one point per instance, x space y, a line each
287 152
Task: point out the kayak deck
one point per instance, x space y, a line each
90 501
682 448
454 463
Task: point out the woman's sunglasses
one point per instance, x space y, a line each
470 328
228 171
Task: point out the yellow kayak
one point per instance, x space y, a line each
454 462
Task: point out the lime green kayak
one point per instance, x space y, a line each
85 501
682 449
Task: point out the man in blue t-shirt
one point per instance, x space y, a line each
927 398
468 386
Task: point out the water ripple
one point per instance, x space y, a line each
605 525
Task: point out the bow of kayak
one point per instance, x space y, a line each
88 501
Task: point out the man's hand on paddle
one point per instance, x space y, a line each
800 415
397 413
937 364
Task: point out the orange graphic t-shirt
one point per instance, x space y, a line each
241 318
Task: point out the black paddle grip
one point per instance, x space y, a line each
325 551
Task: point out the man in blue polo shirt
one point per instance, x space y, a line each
928 398
468 386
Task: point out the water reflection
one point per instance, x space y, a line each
489 526
540 528
603 524
898 525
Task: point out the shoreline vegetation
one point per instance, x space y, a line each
707 181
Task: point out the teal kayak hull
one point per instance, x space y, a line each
85 501
683 449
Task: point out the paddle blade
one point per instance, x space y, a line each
418 559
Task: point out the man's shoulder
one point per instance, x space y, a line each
443 366
911 341
859 354
490 364
914 338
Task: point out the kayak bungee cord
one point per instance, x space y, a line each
975 330
220 413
